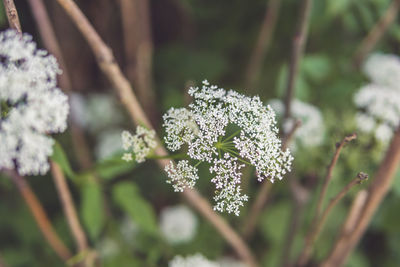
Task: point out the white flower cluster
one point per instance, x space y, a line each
379 101
204 126
108 144
178 224
31 105
95 112
311 131
196 260
140 144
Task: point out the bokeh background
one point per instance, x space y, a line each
189 41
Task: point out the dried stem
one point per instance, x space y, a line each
263 42
376 33
108 65
139 52
298 45
29 196
348 225
262 196
2 262
255 210
328 176
314 232
69 207
12 15
300 196
376 192
40 216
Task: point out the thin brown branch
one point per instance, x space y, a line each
298 46
300 196
69 207
376 193
108 65
256 209
348 226
2 262
138 46
314 232
262 195
328 176
263 42
12 15
40 216
50 41
377 32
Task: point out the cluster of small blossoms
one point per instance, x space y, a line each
108 144
196 260
206 128
95 112
31 105
379 101
140 144
311 131
178 224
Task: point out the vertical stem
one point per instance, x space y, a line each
139 51
328 176
12 15
69 207
263 42
50 41
377 32
376 193
40 216
314 232
298 45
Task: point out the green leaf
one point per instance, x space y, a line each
112 167
316 67
127 196
92 210
61 158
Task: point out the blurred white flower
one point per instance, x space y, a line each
108 144
178 224
230 262
311 131
129 230
383 69
379 101
31 104
224 127
95 112
140 144
107 248
196 260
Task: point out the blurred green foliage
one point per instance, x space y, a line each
221 37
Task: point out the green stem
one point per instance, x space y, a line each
232 135
175 156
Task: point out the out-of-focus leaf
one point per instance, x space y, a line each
92 210
61 158
335 7
302 90
316 67
127 196
112 167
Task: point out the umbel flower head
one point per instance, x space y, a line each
379 101
225 130
31 105
311 131
140 144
